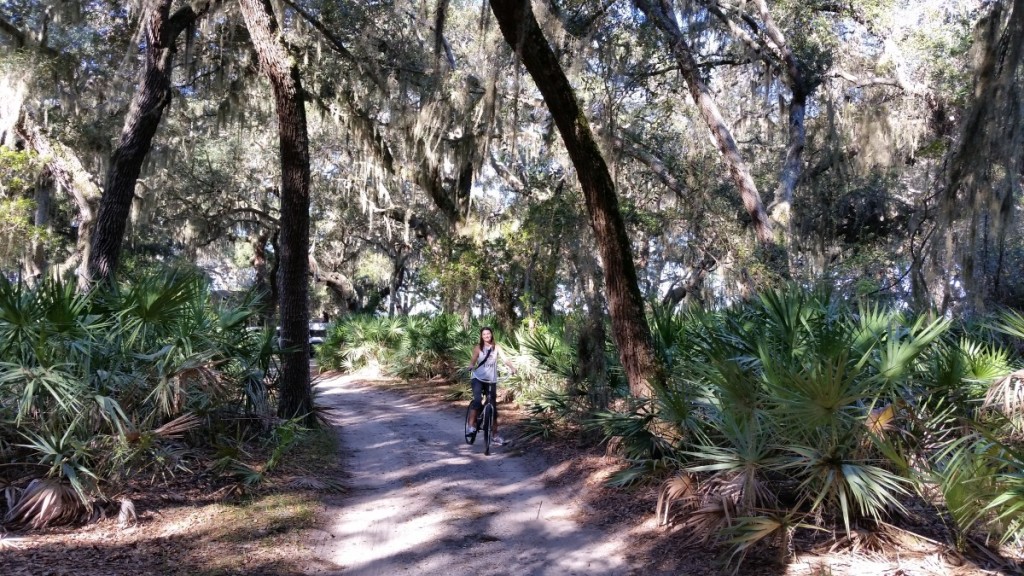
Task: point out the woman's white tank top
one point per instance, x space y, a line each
488 370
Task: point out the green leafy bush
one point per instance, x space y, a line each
98 387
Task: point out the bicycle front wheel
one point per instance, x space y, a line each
488 428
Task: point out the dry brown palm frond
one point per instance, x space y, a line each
1007 394
881 419
175 428
876 540
48 502
313 483
708 521
204 376
744 489
230 491
195 373
613 447
682 488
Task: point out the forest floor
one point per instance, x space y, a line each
297 524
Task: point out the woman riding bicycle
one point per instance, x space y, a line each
484 371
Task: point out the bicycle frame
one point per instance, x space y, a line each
484 419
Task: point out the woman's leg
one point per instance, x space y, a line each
477 395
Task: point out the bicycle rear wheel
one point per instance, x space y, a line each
470 436
487 426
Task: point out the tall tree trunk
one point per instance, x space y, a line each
283 73
397 278
151 98
632 334
980 183
738 170
792 167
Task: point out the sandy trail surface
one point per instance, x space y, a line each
422 501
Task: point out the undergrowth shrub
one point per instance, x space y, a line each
119 383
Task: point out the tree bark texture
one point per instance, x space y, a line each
151 98
738 171
629 322
981 179
343 289
261 270
296 395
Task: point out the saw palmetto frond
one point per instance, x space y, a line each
175 428
1007 394
682 489
48 502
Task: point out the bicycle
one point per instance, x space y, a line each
484 419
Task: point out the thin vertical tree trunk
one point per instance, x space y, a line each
35 261
792 166
282 71
629 322
140 125
262 283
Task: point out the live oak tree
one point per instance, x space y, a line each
283 73
625 304
701 94
152 96
427 138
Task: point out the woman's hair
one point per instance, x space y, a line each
481 343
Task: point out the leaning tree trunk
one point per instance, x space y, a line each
738 170
148 104
283 73
626 305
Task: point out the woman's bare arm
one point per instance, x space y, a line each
476 354
504 358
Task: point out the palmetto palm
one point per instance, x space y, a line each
91 381
363 340
433 346
1007 392
791 392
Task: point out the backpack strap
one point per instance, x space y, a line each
486 356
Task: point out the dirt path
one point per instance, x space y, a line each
422 501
